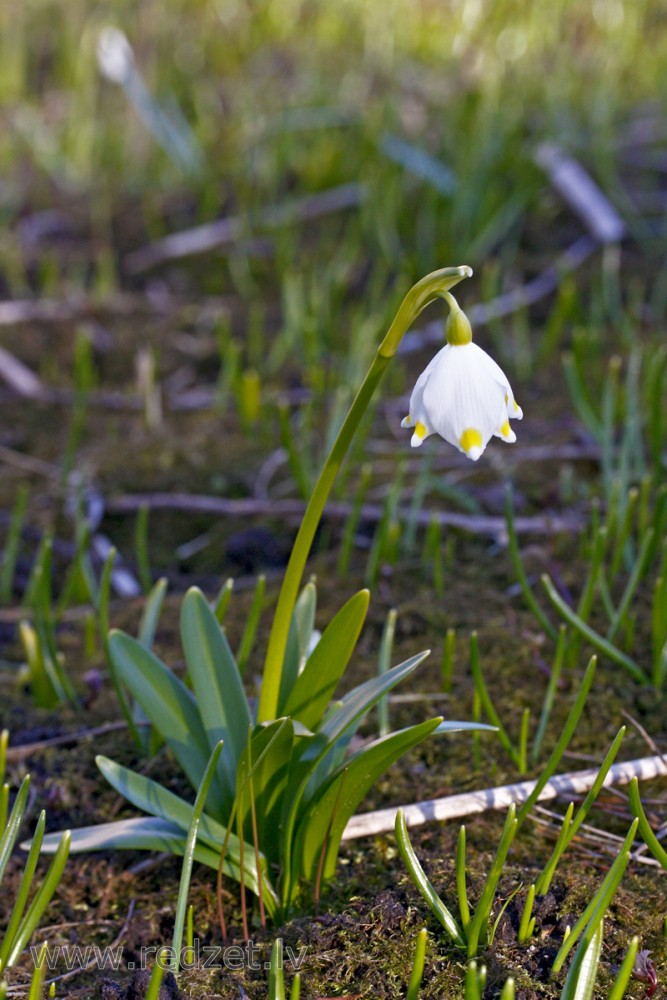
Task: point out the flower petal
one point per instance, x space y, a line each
464 396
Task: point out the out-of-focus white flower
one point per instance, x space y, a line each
463 395
115 57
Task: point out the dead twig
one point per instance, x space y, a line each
224 232
580 192
252 507
468 803
17 375
16 754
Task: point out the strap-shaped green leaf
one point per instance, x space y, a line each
423 883
650 839
150 616
141 833
477 929
595 639
314 687
341 723
590 919
221 700
153 798
42 899
625 972
569 829
322 754
189 853
358 701
11 831
156 800
263 774
276 974
330 808
151 833
24 890
170 707
298 640
580 981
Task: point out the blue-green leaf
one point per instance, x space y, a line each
267 762
357 702
155 799
221 700
151 833
329 810
341 723
151 613
320 755
314 687
169 705
298 641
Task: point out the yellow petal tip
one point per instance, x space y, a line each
471 443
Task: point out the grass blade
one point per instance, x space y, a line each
580 981
569 830
417 966
520 573
650 839
478 925
462 892
596 640
11 831
564 739
252 622
41 900
24 890
625 972
188 856
487 704
550 694
596 909
421 881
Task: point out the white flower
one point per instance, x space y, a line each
463 395
115 57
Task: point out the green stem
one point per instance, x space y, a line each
420 295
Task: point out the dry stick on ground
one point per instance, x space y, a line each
122 580
468 803
28 463
16 374
589 837
16 754
222 232
84 306
578 189
250 507
569 178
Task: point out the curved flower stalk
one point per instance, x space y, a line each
435 285
462 395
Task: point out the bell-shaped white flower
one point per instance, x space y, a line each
463 395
